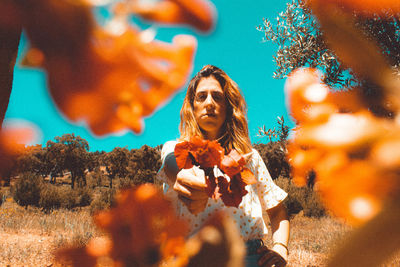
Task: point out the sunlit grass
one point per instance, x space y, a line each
29 236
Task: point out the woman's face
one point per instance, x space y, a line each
210 107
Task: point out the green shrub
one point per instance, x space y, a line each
313 206
143 165
293 200
27 189
97 205
274 157
144 176
54 197
69 198
84 197
103 200
301 198
50 197
122 183
97 178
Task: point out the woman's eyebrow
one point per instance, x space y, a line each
201 92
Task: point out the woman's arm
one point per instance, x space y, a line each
190 184
278 254
280 229
171 168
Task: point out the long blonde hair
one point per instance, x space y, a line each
236 131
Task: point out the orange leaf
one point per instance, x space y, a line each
122 77
197 13
232 192
247 176
208 154
200 152
212 188
182 155
232 163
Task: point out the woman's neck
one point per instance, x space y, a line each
214 136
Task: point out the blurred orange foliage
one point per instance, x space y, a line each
343 143
109 77
197 13
12 144
353 153
142 231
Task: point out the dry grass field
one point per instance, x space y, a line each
29 236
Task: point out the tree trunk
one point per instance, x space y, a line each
72 180
84 178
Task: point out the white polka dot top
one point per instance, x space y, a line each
261 196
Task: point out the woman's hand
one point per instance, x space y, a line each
277 256
190 185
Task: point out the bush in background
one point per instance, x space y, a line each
274 152
274 157
97 178
84 197
103 200
54 197
27 189
30 190
143 165
301 199
143 176
50 197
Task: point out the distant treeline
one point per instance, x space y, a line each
68 155
67 160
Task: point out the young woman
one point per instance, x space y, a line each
214 109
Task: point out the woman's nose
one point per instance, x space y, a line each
209 101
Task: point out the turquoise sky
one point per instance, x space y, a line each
235 46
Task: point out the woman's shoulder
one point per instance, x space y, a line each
168 148
255 155
170 143
253 158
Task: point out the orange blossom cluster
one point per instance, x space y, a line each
230 185
108 77
354 154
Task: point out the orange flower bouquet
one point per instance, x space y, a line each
228 180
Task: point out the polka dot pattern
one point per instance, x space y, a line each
261 196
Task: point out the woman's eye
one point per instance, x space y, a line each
218 97
200 97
